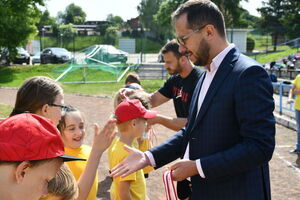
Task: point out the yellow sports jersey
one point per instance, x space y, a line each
296 83
137 180
110 150
145 145
77 167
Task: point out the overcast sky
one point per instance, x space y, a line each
99 9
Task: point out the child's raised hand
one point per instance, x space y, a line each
104 137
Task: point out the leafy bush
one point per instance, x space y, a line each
250 44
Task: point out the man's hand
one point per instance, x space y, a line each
126 92
183 169
135 160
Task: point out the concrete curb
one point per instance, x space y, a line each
285 121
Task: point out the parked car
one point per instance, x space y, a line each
107 53
36 58
22 56
55 55
4 56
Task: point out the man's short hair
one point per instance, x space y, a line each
171 46
200 13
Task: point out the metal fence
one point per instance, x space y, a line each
281 92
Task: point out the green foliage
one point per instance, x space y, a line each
111 35
17 22
116 20
144 45
66 34
163 16
80 42
147 46
250 44
279 18
262 42
72 15
234 15
147 9
45 19
102 27
291 19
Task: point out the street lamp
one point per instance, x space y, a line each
42 41
38 33
61 35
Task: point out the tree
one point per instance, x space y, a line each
102 27
291 18
116 20
72 15
111 35
270 22
45 19
17 24
147 9
234 15
66 33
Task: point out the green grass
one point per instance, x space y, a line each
14 76
264 58
147 46
262 41
82 42
5 110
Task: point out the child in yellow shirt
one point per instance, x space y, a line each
131 118
72 129
143 143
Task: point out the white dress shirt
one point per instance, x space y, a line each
210 73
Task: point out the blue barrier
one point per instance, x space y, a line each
283 88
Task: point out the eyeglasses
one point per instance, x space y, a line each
63 108
181 39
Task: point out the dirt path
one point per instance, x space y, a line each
285 177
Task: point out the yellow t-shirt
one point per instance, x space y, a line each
137 179
296 83
110 150
77 167
145 145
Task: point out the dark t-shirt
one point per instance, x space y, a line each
181 91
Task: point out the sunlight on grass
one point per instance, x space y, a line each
14 76
5 110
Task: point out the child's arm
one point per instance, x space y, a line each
172 123
102 140
124 190
291 93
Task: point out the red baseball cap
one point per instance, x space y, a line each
132 109
27 136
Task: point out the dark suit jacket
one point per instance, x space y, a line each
233 134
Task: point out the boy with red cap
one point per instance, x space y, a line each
131 118
31 152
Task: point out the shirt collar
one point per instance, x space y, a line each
216 61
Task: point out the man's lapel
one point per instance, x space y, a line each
194 101
223 71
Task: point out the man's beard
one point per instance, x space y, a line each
177 70
202 54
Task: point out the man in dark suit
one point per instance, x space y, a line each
230 135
